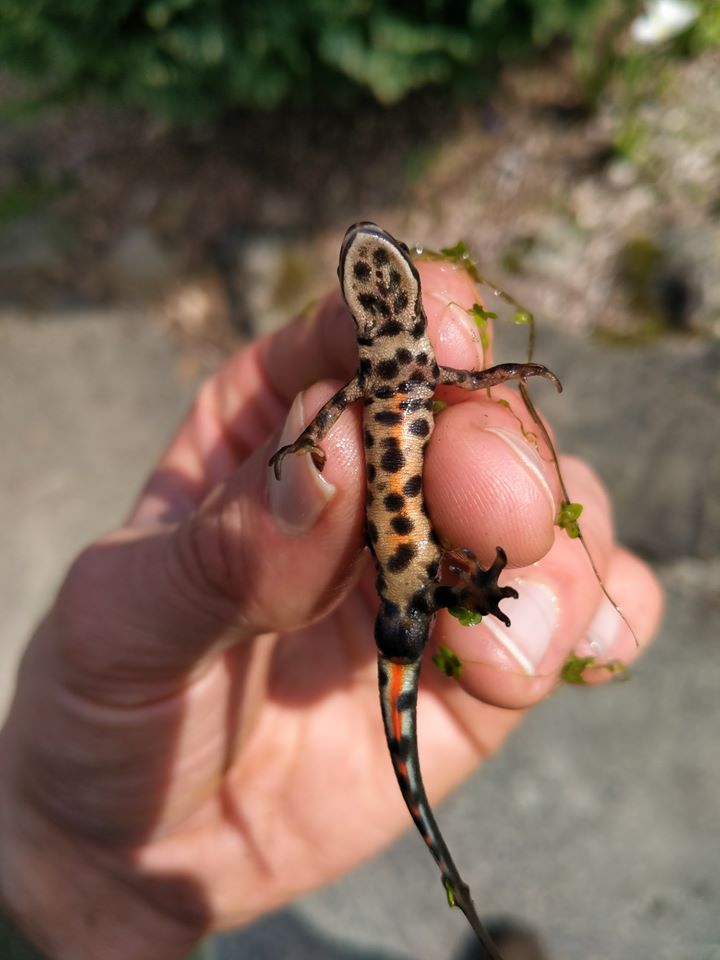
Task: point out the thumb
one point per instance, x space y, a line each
144 608
285 549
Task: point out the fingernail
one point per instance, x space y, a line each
534 617
457 330
301 494
602 634
530 458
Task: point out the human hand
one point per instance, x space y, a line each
196 737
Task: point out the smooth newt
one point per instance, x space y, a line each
396 379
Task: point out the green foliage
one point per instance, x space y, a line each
460 256
567 518
573 670
466 618
522 317
450 893
481 316
706 32
448 662
186 58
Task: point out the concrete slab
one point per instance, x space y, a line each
90 398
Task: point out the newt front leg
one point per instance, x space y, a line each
317 430
493 376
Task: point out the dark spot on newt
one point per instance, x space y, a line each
419 603
405 701
387 369
394 502
388 417
390 609
322 419
402 558
403 355
402 524
418 328
401 301
413 404
361 270
413 486
390 329
384 391
393 460
374 304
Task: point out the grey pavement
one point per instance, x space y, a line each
89 400
599 823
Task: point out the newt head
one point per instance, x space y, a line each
379 282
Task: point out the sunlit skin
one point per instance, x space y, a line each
176 759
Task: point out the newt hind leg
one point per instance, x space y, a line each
477 589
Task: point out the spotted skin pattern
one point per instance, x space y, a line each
396 378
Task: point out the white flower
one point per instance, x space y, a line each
662 20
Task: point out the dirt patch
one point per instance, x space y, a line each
604 220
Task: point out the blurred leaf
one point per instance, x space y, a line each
188 58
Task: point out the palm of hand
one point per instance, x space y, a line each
282 778
196 736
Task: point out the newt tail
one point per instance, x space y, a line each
398 700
